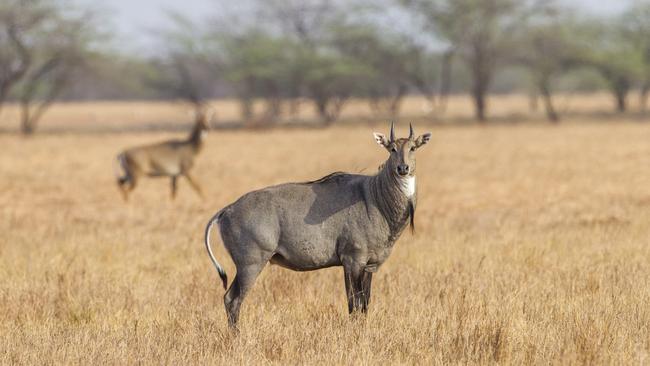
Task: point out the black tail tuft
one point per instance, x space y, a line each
224 280
411 209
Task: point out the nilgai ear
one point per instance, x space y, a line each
381 139
422 139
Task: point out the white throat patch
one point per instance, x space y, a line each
408 186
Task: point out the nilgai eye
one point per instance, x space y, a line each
412 148
393 149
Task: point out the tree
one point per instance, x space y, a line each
44 42
614 56
60 50
430 74
260 66
384 58
18 19
189 66
547 49
635 26
331 80
319 71
479 32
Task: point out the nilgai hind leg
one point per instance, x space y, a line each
194 184
174 186
244 280
126 184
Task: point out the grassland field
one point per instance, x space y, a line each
532 246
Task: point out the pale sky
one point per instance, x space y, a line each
137 20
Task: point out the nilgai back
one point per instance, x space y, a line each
342 219
173 159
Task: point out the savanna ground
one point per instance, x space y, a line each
532 247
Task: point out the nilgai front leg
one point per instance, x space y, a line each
353 272
122 184
366 283
127 185
173 186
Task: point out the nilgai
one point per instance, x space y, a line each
172 159
341 219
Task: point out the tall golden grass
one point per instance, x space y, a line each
532 247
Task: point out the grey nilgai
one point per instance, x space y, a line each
342 219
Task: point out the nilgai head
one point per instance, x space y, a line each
202 120
402 151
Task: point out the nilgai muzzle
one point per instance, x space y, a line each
342 219
171 159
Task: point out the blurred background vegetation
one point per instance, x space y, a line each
323 53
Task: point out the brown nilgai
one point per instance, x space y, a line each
172 159
341 219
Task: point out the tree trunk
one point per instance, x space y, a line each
273 109
375 106
621 98
551 114
27 125
294 107
396 101
479 104
445 80
479 91
32 111
620 87
330 109
321 106
480 63
533 104
395 107
246 105
388 105
26 128
643 97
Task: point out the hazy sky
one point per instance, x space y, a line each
136 20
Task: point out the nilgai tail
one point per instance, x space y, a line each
220 270
122 175
342 219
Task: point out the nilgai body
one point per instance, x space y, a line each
173 159
342 219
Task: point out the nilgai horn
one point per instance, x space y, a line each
341 219
172 159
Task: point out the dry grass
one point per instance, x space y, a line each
531 248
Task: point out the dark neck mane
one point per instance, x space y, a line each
196 136
326 178
397 208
